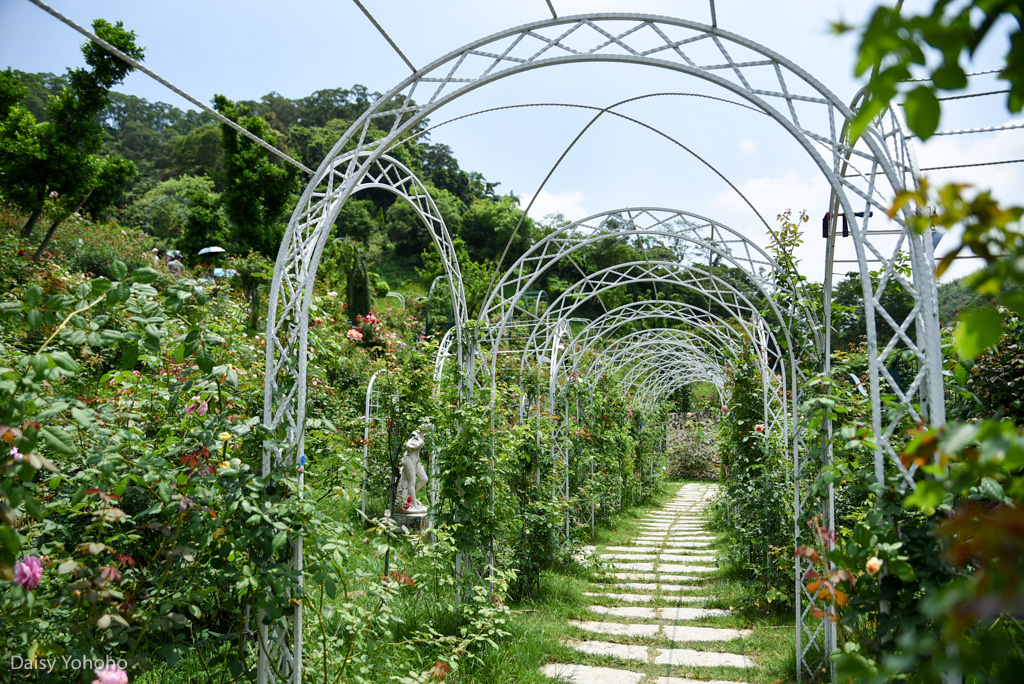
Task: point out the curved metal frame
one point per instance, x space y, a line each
863 178
284 398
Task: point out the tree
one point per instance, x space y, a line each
59 155
199 152
257 188
204 223
254 270
109 177
442 168
488 226
407 230
355 220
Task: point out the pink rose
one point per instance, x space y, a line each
759 428
111 674
110 574
28 572
873 565
354 334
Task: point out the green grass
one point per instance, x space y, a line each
539 626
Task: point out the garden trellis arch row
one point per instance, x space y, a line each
696 239
777 362
863 176
709 335
661 357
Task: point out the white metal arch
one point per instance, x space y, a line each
693 237
712 330
659 360
747 317
629 354
802 106
284 397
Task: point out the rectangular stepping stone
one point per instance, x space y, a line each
617 628
684 613
588 674
688 658
652 586
641 612
624 651
684 680
629 576
677 633
682 633
649 567
699 559
634 549
654 557
644 598
673 567
687 544
647 613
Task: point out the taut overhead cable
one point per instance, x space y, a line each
164 82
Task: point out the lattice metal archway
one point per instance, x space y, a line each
284 399
695 239
863 178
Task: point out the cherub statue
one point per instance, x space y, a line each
412 477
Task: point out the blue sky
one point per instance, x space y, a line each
247 49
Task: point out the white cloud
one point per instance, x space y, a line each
748 146
569 203
772 195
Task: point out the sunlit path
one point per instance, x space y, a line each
651 622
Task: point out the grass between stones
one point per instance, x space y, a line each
541 628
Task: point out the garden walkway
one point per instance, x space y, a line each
649 611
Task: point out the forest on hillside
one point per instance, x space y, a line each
188 182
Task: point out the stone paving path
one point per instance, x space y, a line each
672 551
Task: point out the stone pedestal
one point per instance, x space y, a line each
414 522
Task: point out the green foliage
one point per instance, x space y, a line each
924 577
754 502
258 188
147 475
200 152
488 226
896 46
59 155
180 213
992 384
254 272
693 453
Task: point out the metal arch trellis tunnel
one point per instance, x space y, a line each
862 176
